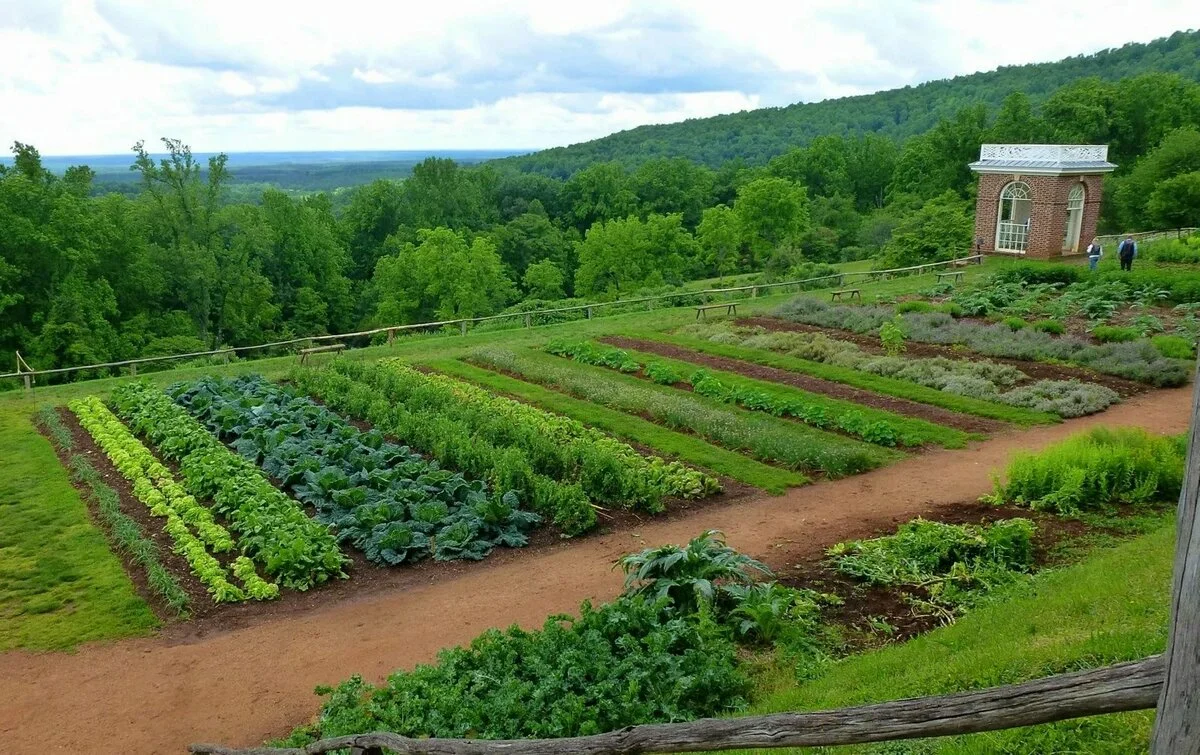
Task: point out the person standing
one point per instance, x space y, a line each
1094 253
1126 252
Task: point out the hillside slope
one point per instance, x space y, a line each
758 135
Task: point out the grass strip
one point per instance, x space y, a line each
1110 608
763 437
866 381
911 430
683 447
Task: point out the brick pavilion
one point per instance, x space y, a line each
1038 200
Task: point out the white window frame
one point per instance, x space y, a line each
1075 201
1013 237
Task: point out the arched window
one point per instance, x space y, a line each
1074 218
1012 226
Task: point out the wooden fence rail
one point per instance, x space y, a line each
390 330
1121 687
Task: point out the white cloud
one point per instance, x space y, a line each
93 76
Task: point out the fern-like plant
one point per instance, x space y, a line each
690 576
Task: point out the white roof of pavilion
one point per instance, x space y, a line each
1043 159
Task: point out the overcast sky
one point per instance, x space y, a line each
94 76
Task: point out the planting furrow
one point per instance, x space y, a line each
386 500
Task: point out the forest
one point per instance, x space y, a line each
185 264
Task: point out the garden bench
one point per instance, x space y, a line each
837 295
957 275
336 348
730 308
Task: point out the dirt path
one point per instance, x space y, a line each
241 687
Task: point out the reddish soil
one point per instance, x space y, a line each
905 407
1035 370
157 694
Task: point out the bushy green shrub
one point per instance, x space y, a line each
1174 347
1115 334
951 563
893 336
1066 398
1039 272
914 306
663 374
1095 469
1053 327
1015 323
954 309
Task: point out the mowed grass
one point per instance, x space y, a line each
685 448
914 431
60 585
864 380
1110 608
761 436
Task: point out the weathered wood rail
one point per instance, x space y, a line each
29 375
1122 687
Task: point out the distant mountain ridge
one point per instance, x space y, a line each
758 135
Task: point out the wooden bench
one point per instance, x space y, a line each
837 295
957 275
730 308
336 348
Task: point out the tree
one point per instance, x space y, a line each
543 280
720 237
822 167
673 185
531 238
597 193
1016 123
1179 153
870 162
940 230
372 215
1176 202
771 211
613 255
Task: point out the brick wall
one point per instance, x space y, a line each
1048 215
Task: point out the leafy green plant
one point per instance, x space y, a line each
272 528
1015 323
1053 327
893 336
1115 334
1174 347
914 306
663 374
948 564
1095 469
691 576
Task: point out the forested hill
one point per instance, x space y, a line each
758 135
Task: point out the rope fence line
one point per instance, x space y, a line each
28 375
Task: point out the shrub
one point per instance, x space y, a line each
663 374
1038 272
892 335
1066 398
954 309
1115 334
1054 327
914 306
1095 469
1015 323
951 563
1174 347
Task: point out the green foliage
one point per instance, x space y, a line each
893 336
1179 251
770 212
940 230
690 577
619 255
155 486
1115 334
1094 470
544 280
1053 327
948 565
762 437
1066 398
272 528
914 306
1174 347
663 374
371 492
1016 323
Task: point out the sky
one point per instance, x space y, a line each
82 77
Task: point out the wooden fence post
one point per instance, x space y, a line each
133 370
589 313
527 320
1177 725
28 382
463 327
391 336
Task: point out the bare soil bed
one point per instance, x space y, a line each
1035 370
829 388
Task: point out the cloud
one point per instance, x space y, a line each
80 76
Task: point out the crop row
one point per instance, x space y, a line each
762 437
977 378
273 529
386 500
873 426
535 451
1137 360
122 529
155 486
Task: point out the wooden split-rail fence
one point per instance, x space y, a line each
1170 683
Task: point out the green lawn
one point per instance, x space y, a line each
1112 607
59 583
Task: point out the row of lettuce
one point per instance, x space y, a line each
693 622
266 486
